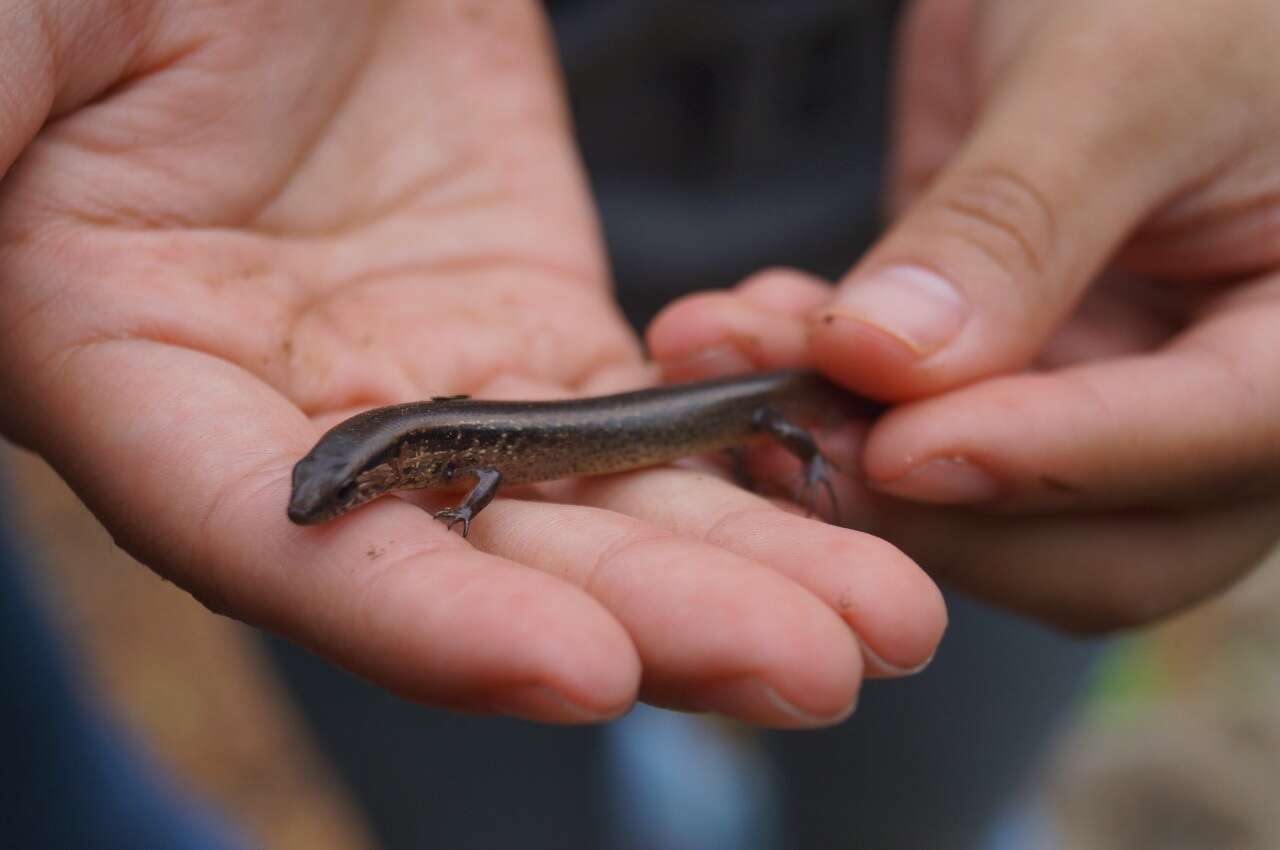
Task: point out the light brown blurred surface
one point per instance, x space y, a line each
191 684
1180 749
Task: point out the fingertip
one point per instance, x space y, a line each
882 329
919 308
878 593
908 641
893 606
865 358
947 480
688 326
812 680
509 639
753 701
792 292
929 451
597 671
715 334
547 704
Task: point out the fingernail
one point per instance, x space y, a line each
754 701
545 704
917 307
714 361
943 481
883 668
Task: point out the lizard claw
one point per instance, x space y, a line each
452 516
817 473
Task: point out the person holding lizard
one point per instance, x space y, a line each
224 227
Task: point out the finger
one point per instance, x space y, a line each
187 460
1087 574
1119 316
1190 424
760 324
715 631
935 94
890 604
790 292
979 271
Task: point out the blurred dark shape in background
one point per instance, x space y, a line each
725 137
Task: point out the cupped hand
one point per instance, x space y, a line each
1078 305
232 224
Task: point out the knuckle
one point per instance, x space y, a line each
617 554
1004 216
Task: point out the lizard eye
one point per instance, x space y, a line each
448 471
346 492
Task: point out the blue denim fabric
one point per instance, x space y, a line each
70 779
684 782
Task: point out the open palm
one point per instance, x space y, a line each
240 223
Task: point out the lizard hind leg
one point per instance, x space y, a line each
487 481
800 443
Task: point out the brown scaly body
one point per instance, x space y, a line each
455 442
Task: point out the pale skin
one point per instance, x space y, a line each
233 223
1091 422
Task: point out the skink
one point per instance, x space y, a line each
455 443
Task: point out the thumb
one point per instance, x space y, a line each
1075 144
55 57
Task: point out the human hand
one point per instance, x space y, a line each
241 222
1077 304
